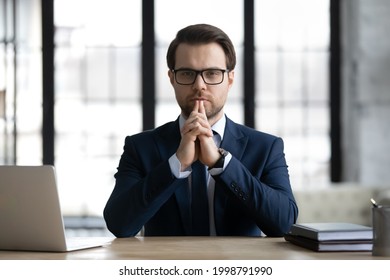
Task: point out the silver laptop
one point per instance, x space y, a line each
30 212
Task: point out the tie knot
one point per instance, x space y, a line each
217 138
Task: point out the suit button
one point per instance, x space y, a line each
235 187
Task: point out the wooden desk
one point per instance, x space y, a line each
192 248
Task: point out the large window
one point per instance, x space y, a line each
98 89
97 96
20 82
292 88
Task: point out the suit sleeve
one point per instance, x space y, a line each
139 190
261 183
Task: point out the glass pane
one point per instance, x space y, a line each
267 78
292 77
98 70
127 69
28 23
69 75
318 76
226 14
269 119
7 139
8 20
292 99
292 120
3 70
97 96
292 25
164 90
28 83
3 16
318 119
105 22
218 13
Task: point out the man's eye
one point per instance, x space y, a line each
212 73
187 73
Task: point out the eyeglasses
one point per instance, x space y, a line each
209 76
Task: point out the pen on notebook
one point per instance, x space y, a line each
374 203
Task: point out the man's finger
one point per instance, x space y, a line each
196 106
202 110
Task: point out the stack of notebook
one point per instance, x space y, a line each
331 236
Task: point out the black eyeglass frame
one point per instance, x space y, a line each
200 72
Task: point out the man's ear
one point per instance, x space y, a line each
230 78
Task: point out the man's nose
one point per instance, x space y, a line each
199 82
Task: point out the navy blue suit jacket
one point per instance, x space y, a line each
253 194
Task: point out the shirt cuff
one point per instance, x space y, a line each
175 166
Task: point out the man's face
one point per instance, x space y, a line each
201 57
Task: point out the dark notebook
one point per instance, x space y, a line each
332 231
330 246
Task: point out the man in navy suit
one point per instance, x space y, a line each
243 185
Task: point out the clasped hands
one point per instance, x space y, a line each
197 139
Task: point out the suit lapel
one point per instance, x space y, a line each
169 140
235 142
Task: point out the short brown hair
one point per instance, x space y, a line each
202 34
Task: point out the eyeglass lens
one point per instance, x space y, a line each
209 76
